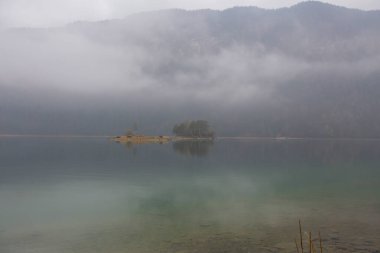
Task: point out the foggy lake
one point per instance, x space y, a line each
93 195
165 126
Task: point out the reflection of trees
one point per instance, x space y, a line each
131 148
193 147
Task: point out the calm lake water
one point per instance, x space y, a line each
93 195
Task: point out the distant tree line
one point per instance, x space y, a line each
197 128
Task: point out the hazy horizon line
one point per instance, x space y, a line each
186 10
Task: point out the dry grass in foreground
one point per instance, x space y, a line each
311 246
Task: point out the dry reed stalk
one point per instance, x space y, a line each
310 243
300 227
298 250
320 242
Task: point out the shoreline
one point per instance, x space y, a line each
180 138
296 138
51 136
161 139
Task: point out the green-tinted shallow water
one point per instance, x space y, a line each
93 195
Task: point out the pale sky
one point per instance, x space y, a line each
45 13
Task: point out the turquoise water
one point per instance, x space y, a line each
93 195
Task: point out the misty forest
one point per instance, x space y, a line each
311 70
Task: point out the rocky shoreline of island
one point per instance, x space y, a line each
194 130
160 139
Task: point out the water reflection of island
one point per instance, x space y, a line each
193 147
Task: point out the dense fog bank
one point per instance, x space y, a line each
309 70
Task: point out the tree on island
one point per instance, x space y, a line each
197 128
129 132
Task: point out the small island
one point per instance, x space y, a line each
188 130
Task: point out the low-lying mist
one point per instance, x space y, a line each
309 70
